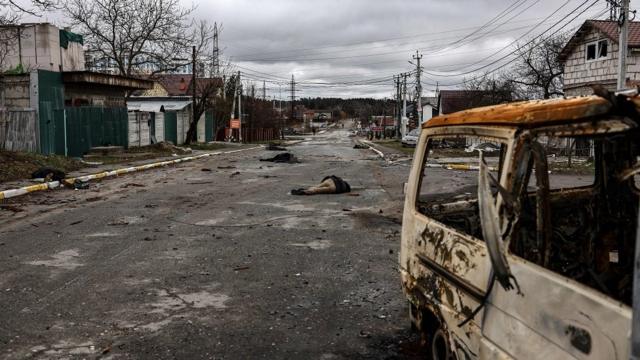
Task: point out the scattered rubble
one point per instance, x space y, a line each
275 147
282 158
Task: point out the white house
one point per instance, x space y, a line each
42 46
591 57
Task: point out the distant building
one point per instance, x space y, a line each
41 46
168 105
591 57
73 111
450 101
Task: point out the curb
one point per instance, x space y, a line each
451 166
6 194
368 143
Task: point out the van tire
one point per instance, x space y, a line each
439 346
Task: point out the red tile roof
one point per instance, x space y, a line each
608 28
611 30
180 84
175 84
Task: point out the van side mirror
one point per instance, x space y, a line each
494 230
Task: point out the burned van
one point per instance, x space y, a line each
519 230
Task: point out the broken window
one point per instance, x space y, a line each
591 51
585 228
597 50
448 189
602 48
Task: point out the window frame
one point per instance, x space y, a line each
598 48
504 136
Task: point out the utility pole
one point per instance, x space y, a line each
396 80
418 57
193 89
224 87
215 66
403 128
239 106
293 96
264 90
623 24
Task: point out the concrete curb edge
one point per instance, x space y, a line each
6 194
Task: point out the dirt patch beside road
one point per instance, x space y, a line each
20 165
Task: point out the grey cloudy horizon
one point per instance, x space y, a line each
357 46
271 40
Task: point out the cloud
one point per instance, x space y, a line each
352 44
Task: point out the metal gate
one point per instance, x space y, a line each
78 129
171 127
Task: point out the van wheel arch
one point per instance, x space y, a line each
433 336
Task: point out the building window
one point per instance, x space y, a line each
597 50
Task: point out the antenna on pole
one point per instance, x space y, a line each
614 7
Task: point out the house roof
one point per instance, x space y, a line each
528 114
451 101
175 84
100 79
607 28
156 104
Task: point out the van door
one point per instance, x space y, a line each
443 258
554 316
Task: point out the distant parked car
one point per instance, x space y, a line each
411 139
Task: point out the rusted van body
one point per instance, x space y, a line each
521 262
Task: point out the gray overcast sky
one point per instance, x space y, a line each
276 38
357 45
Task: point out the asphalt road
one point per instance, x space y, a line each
211 259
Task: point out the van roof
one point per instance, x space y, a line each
528 114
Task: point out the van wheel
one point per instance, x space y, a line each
439 346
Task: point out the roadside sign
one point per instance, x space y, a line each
235 123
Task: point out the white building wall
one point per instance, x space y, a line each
39 48
580 73
159 126
139 129
183 126
201 129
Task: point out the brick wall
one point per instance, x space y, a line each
579 73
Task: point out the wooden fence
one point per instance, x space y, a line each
18 130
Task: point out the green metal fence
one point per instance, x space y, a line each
88 127
50 99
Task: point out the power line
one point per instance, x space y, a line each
516 40
512 60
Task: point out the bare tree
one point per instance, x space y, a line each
11 10
538 70
209 90
490 90
137 36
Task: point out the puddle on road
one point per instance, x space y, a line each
102 234
315 245
65 347
64 260
204 299
175 301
